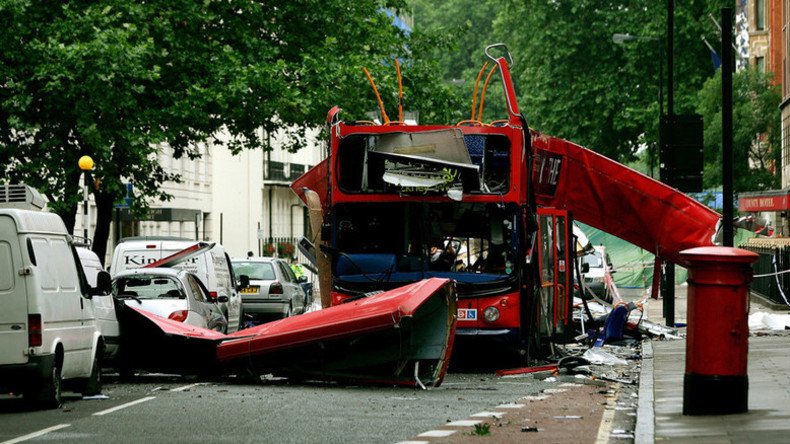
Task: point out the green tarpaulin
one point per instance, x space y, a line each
634 266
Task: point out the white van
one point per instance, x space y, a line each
212 267
48 332
103 305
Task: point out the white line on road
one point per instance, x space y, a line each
36 434
187 387
123 406
437 433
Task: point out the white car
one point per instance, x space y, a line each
173 294
597 265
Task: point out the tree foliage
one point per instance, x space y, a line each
116 79
756 130
573 81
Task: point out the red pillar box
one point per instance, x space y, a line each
717 340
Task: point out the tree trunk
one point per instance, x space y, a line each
104 207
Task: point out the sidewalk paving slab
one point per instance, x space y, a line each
661 390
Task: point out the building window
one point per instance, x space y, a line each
759 15
759 62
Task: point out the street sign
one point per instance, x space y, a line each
127 201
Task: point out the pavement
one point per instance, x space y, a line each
660 407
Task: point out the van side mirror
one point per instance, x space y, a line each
244 280
103 285
301 279
585 267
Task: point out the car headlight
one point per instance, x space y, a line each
491 314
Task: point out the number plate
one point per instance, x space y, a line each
250 290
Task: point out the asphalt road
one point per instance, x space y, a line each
158 408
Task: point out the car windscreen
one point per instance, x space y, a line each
148 287
595 260
260 271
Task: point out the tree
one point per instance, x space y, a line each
756 133
115 80
572 80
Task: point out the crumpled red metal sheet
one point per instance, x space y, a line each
618 200
362 340
316 179
171 327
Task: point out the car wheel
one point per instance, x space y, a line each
94 384
48 394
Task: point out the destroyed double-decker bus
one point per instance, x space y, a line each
401 203
488 205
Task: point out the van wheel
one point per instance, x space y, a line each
93 386
48 394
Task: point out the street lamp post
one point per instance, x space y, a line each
86 165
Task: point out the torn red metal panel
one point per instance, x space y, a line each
316 179
524 370
618 200
403 336
181 256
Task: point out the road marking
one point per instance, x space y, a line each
464 423
437 433
554 390
489 415
36 434
510 406
123 406
187 387
606 425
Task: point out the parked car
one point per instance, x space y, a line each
103 305
597 266
174 294
48 334
211 266
273 288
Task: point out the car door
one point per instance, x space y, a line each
295 293
203 305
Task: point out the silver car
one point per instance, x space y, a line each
171 293
273 289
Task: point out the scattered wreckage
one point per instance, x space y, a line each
428 234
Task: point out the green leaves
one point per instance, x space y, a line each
756 129
116 79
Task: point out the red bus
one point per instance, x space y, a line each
402 203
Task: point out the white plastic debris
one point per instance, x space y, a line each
768 321
600 357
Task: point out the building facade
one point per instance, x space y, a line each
242 201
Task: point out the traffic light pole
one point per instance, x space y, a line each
669 273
